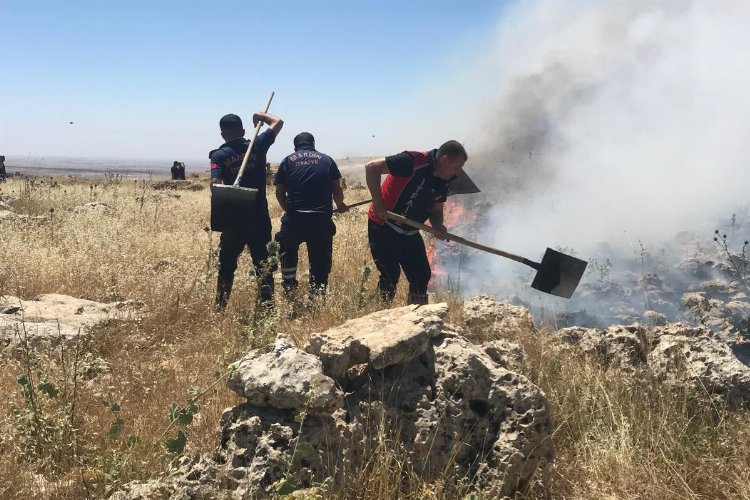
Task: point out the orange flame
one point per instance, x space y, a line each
453 214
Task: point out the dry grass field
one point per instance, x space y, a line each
613 439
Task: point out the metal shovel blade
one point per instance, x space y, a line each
559 274
462 184
231 206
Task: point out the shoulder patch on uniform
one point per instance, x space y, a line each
419 158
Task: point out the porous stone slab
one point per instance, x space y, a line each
509 355
720 316
618 346
380 339
686 355
494 317
285 377
52 317
9 215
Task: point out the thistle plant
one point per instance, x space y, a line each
739 262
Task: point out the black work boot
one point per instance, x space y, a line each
417 297
223 291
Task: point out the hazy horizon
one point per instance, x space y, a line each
159 167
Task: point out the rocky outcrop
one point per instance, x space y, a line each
676 353
719 316
496 318
506 414
656 280
704 267
684 355
8 214
381 339
50 318
506 354
653 318
285 378
444 405
619 346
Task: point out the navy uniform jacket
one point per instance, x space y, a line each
226 162
308 176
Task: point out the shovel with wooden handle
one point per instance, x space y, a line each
232 205
557 274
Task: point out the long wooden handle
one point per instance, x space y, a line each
250 146
357 204
452 237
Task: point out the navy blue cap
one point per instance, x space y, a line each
230 122
304 139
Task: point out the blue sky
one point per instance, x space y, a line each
151 78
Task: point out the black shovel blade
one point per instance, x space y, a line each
559 274
462 184
231 207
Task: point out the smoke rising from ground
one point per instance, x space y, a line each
618 117
611 123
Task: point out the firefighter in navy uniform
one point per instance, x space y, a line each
306 183
416 186
225 165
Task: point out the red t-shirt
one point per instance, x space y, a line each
411 187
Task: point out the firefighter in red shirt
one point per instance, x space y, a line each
416 187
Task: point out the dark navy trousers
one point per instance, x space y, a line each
256 238
392 252
317 231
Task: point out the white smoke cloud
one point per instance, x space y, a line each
616 117
619 122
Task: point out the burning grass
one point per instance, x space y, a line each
613 439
